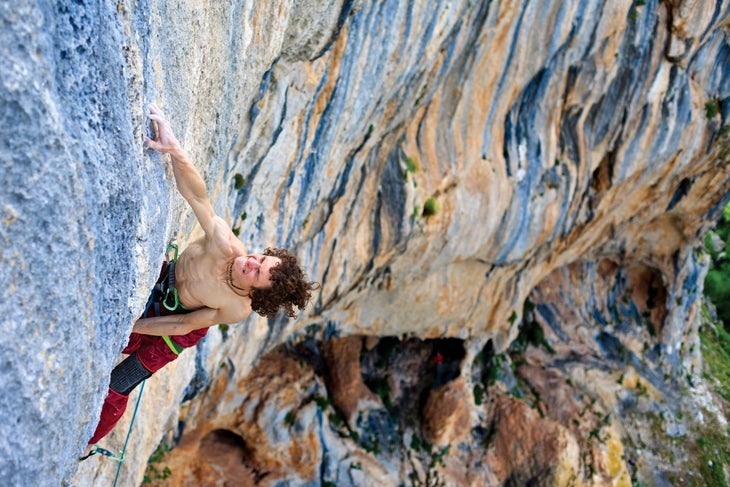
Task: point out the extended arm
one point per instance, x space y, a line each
188 179
183 324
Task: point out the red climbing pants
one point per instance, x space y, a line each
152 352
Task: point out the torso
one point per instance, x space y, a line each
200 273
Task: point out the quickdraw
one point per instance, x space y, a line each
171 291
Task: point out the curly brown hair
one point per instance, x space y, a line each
289 287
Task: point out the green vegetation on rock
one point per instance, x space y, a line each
711 449
430 207
716 353
153 473
717 282
238 181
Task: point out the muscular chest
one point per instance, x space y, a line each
200 280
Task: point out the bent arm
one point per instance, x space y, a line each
176 324
184 324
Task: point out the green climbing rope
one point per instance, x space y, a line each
129 432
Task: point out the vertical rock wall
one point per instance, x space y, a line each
77 201
431 162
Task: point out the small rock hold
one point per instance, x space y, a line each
10 216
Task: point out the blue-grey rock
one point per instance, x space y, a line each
552 136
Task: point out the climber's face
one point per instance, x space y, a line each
253 271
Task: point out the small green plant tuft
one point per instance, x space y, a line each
372 445
430 207
411 164
711 109
478 395
336 419
238 181
381 387
416 442
531 332
289 418
322 402
153 472
494 365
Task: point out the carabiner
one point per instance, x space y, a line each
172 246
176 302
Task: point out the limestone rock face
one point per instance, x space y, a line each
81 212
530 450
345 383
446 414
516 187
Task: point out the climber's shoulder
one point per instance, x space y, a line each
219 241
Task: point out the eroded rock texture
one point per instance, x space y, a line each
509 191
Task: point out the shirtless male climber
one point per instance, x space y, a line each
215 280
